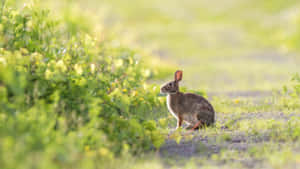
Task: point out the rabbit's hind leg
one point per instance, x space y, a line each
198 125
188 127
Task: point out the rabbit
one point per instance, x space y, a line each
191 108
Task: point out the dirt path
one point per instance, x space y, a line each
243 94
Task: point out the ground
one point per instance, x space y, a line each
241 139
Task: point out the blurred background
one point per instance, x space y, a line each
79 82
228 46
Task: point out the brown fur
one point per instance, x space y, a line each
191 108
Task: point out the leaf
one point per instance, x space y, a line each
150 125
157 138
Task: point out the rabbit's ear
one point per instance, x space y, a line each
178 75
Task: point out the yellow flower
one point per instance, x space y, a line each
103 151
124 90
87 148
236 101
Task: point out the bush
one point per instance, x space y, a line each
67 93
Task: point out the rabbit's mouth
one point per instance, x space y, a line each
172 92
164 91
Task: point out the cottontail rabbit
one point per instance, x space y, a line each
188 107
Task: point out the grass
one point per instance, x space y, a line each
249 140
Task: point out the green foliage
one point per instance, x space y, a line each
63 92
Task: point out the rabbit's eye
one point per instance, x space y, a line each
170 84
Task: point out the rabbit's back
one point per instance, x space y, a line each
197 108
